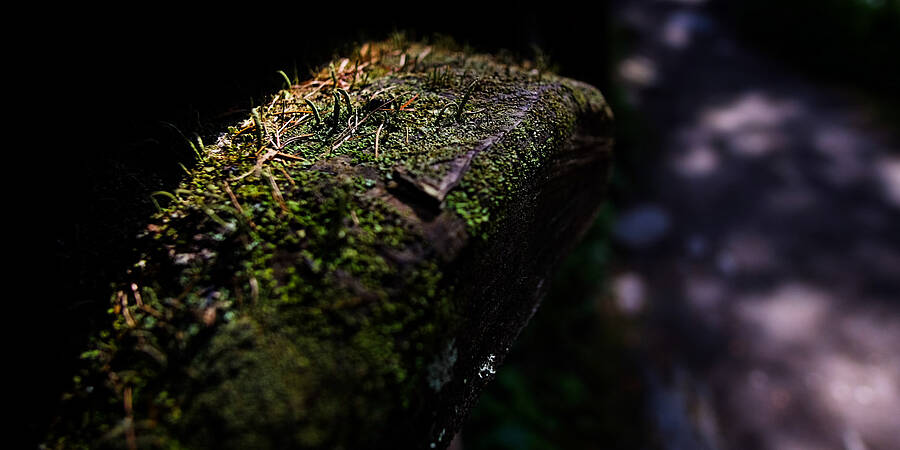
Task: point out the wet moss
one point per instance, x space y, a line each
289 292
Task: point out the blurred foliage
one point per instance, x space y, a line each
568 383
850 41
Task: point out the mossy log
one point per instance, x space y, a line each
348 267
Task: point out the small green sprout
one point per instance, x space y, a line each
336 113
440 77
287 81
445 108
315 110
334 80
164 194
462 105
346 97
197 150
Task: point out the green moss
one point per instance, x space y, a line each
287 298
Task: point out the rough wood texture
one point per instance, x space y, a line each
348 267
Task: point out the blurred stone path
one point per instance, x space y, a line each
764 267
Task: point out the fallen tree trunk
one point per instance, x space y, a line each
349 266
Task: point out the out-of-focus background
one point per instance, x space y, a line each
740 289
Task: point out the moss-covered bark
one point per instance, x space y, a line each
346 268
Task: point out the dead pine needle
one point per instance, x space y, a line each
237 204
276 192
245 129
234 200
422 55
123 302
377 137
137 294
287 175
254 290
408 102
289 156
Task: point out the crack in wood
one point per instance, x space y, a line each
437 190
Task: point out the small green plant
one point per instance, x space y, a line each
459 107
355 73
444 109
346 97
336 112
334 81
164 194
314 109
198 150
197 145
287 81
542 62
399 40
462 105
440 77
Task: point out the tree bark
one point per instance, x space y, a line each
348 267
